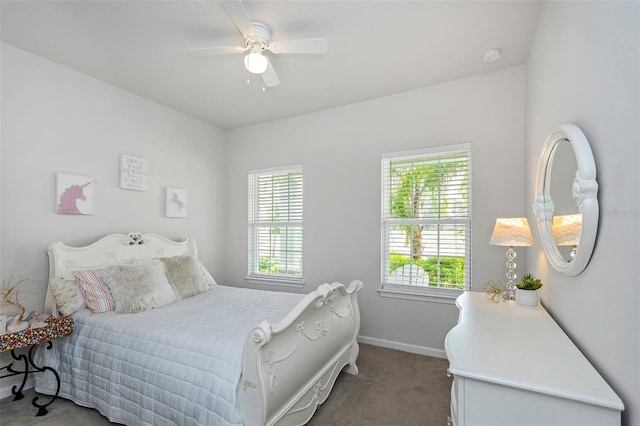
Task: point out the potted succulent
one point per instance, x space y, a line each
527 291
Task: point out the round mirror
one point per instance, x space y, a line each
565 224
566 205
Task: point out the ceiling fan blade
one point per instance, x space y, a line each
303 46
270 77
238 14
204 52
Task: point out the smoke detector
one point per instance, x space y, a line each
492 55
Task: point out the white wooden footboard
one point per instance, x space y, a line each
290 367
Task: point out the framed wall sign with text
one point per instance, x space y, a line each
133 173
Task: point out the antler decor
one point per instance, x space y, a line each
10 295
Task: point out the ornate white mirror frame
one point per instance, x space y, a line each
584 192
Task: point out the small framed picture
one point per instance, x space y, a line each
176 202
74 194
133 173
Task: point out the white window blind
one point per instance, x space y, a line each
426 220
275 223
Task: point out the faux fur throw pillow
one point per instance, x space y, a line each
185 276
67 295
138 287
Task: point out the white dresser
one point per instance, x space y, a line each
513 365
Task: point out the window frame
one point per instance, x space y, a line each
414 292
254 276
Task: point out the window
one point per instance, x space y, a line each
275 225
426 222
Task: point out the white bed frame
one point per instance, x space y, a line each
289 367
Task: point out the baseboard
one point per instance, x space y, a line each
8 383
405 347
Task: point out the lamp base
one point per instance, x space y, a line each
510 293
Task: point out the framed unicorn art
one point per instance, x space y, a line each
74 194
175 202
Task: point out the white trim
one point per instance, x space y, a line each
270 170
443 149
405 347
400 291
254 176
427 221
280 224
275 280
446 296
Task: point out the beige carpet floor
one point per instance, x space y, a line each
392 388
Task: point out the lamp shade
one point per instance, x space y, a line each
511 231
567 229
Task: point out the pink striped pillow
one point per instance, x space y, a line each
96 294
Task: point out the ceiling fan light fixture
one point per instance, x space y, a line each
256 63
256 42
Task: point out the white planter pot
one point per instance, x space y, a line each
527 297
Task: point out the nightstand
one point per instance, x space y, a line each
56 328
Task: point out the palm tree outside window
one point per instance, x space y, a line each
426 220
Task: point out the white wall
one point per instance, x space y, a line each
54 120
340 152
584 69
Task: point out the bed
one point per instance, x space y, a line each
224 355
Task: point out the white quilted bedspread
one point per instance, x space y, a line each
179 364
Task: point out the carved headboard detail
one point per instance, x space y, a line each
110 250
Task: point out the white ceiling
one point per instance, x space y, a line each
376 48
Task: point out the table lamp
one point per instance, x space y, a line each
511 232
566 230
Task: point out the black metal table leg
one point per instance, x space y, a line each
42 409
17 391
31 367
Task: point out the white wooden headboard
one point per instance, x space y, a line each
109 250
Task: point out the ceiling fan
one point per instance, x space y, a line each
257 42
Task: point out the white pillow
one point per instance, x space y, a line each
138 287
67 295
208 279
184 275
